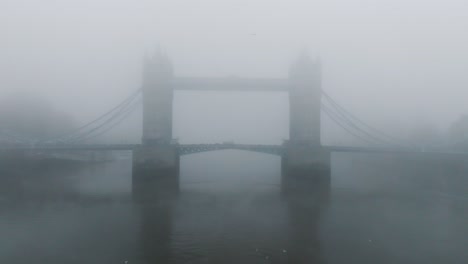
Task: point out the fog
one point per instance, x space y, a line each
396 64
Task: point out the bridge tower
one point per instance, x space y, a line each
304 101
156 162
305 163
157 100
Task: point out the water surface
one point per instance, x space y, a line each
231 210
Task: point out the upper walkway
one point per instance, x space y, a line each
231 84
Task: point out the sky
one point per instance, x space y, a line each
394 63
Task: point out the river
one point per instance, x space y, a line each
231 210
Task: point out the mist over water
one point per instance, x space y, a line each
230 210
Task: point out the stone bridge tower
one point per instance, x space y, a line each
304 101
305 164
157 95
156 161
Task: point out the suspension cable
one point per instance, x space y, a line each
329 112
116 115
123 116
350 117
117 108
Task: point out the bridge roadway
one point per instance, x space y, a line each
186 149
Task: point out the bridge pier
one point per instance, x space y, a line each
155 173
305 169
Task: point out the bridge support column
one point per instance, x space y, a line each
156 162
306 169
305 164
155 173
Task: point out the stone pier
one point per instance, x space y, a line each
155 173
305 169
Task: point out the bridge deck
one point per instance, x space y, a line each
186 149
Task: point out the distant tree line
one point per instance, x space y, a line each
32 117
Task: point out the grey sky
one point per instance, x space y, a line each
393 63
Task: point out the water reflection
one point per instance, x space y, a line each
304 241
155 232
249 226
304 212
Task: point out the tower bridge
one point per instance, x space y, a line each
156 161
305 162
